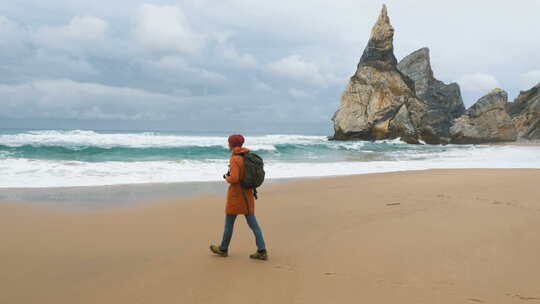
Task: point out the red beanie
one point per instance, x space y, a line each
236 140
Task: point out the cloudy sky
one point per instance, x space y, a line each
238 65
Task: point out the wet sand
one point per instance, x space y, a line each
517 143
437 236
92 197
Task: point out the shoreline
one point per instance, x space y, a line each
122 194
110 195
298 158
516 143
127 195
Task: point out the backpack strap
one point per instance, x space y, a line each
242 188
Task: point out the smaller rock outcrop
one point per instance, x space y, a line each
486 121
444 101
525 112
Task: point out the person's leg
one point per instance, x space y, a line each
228 231
259 239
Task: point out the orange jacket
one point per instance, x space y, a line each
238 203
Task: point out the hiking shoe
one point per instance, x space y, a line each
218 251
260 255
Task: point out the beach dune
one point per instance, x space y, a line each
437 236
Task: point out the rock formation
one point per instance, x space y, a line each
387 100
444 102
379 102
486 121
525 111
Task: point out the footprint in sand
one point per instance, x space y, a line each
524 298
284 268
501 203
527 298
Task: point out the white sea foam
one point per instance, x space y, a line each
17 172
77 138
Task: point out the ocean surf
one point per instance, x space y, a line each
59 158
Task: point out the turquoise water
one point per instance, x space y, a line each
48 158
285 152
91 146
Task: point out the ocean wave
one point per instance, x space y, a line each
91 146
324 151
85 158
100 154
21 172
83 138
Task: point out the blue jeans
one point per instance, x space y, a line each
252 222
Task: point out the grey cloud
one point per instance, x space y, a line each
296 68
69 99
299 94
166 29
478 82
530 78
83 31
230 61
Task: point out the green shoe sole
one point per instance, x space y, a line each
217 251
259 256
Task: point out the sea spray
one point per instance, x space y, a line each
55 158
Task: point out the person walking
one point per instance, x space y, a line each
240 200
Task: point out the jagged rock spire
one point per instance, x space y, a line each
379 101
382 28
379 52
526 113
443 100
417 65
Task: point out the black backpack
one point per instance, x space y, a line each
253 172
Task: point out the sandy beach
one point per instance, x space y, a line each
517 144
437 236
